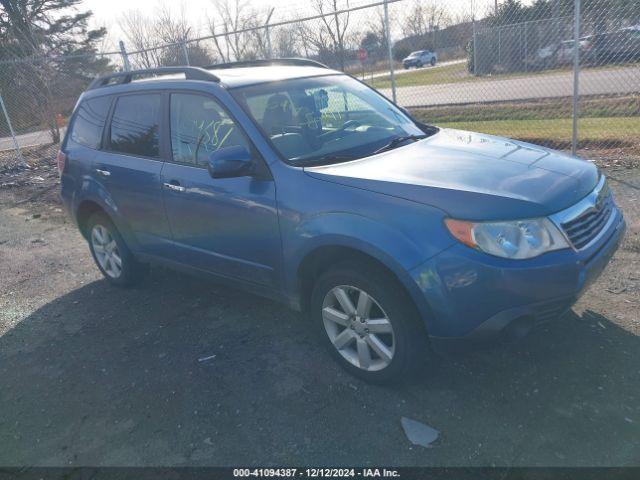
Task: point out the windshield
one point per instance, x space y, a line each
324 119
415 54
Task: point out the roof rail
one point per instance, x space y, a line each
190 73
302 62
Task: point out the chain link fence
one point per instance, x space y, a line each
524 76
516 71
37 97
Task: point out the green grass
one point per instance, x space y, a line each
426 76
592 106
556 132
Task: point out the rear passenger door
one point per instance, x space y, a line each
129 169
227 226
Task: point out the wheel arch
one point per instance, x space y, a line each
90 206
324 257
85 210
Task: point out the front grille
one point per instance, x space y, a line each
584 228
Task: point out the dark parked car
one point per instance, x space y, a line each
622 45
305 185
560 54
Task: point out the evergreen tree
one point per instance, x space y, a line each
34 35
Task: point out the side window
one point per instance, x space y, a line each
89 122
199 126
135 125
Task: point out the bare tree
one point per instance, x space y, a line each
375 25
140 33
313 41
286 41
329 38
159 39
335 26
239 31
172 28
425 18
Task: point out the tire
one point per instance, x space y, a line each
433 61
107 246
391 357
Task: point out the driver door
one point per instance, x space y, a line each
226 226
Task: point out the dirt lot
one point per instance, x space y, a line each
95 375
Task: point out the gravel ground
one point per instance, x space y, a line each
95 375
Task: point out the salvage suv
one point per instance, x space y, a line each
303 184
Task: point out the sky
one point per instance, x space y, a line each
108 12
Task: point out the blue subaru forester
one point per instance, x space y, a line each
303 184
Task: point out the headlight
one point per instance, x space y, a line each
516 239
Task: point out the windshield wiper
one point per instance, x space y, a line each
399 140
329 159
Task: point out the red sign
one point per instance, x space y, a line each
362 54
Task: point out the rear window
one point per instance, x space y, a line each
89 122
135 125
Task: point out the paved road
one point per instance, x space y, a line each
27 139
402 71
592 82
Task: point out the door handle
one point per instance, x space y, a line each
104 173
175 188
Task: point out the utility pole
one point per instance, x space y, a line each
185 52
13 134
576 76
387 30
125 57
267 29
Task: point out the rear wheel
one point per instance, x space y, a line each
433 61
368 323
111 254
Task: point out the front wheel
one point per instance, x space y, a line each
368 323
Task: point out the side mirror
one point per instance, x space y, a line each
230 162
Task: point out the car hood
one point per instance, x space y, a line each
471 176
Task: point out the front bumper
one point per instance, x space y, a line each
474 297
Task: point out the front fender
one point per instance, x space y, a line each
395 250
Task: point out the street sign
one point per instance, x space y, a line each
362 54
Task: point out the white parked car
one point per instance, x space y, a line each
420 58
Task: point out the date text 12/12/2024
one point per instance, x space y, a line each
316 472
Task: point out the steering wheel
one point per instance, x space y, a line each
337 133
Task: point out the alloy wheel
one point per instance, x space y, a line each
106 251
358 328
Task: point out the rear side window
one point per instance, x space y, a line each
135 125
89 122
